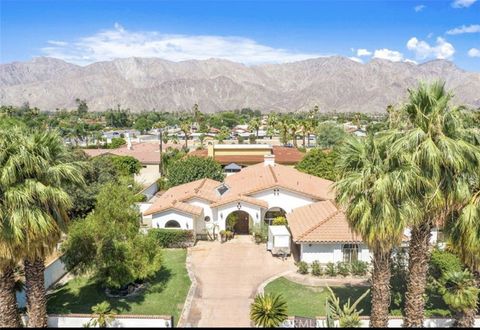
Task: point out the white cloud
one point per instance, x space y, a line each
462 3
423 50
356 59
120 43
363 52
474 28
419 8
410 61
474 52
387 54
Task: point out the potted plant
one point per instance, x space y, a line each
223 236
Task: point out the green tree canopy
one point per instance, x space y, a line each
329 134
319 163
193 168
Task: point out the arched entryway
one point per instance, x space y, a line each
272 213
239 222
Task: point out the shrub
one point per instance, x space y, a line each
116 143
359 268
316 269
302 267
343 268
260 233
438 312
193 168
330 270
229 234
443 262
169 238
279 221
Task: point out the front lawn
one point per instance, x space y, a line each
165 295
309 301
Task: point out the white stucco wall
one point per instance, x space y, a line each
137 321
325 253
201 225
224 210
186 221
148 174
287 200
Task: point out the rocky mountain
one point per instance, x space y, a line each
334 83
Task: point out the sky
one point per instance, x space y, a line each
249 32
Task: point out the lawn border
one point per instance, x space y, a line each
261 287
191 292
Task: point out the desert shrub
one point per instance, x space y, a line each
279 221
359 268
302 267
331 270
316 269
169 238
343 268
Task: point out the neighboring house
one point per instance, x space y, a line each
147 153
249 154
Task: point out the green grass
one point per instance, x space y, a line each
165 295
309 301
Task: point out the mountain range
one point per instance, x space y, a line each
333 83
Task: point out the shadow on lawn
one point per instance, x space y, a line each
64 300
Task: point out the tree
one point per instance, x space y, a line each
185 128
82 107
268 311
283 126
372 191
460 292
434 136
108 244
293 128
34 206
319 163
347 314
193 168
254 125
329 135
103 315
143 125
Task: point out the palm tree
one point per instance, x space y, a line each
254 125
460 292
268 311
293 128
103 315
463 234
271 123
432 133
35 207
373 190
283 125
185 128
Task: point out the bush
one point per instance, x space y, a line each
260 233
442 262
359 268
116 143
330 270
172 238
279 221
438 313
343 268
193 168
302 267
316 269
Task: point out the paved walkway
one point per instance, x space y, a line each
228 276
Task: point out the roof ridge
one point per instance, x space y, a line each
273 173
319 224
202 183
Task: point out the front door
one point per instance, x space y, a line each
241 226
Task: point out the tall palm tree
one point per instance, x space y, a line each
254 125
293 128
373 190
185 128
432 133
268 311
283 126
35 207
460 292
272 120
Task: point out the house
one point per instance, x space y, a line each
249 154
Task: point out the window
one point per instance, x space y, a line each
172 224
207 219
350 252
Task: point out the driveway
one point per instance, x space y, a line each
228 276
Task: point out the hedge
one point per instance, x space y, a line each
172 238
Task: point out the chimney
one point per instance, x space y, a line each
129 142
269 160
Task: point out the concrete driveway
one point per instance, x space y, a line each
228 276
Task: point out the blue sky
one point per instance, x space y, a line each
250 32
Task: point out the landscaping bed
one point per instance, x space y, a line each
165 294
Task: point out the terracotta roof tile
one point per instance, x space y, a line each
234 198
320 222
